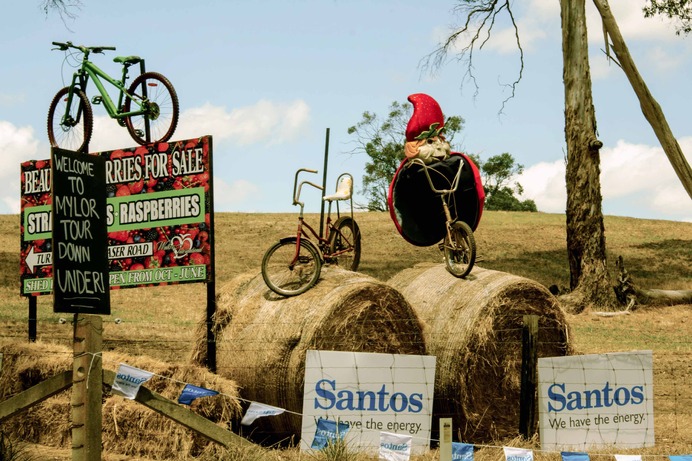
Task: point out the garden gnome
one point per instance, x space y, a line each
424 139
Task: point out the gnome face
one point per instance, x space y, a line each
423 132
434 149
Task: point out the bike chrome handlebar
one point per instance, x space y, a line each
297 187
455 181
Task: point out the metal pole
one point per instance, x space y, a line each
324 181
32 318
211 285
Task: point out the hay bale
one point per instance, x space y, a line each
262 338
129 428
474 328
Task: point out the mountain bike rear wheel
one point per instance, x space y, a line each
288 279
70 131
345 237
460 250
160 103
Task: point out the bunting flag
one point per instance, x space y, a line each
462 451
395 447
128 380
191 392
628 457
574 456
680 457
518 454
327 432
257 410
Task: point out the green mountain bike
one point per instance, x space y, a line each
148 108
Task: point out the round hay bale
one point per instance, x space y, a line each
262 338
129 428
474 328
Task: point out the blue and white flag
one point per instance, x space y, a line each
327 432
128 380
395 447
191 392
680 457
518 454
462 451
256 410
574 456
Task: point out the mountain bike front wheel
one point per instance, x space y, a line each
460 249
70 129
287 275
160 105
344 243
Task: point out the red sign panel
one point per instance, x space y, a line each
158 207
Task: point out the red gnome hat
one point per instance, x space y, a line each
426 112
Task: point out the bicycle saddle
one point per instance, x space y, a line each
343 189
127 60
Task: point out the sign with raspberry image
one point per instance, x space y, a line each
158 207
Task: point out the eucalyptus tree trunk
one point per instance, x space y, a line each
650 108
586 246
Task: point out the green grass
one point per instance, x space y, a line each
159 321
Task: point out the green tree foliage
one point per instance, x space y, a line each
498 173
383 141
680 9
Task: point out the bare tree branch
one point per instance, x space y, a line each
481 17
66 9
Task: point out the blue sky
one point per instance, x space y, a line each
267 78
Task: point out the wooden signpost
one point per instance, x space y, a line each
81 287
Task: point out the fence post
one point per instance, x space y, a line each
87 382
529 358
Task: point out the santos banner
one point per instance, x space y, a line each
599 400
372 393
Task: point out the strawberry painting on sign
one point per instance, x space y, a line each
158 213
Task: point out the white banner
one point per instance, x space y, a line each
518 454
598 400
370 392
628 457
128 381
395 447
256 410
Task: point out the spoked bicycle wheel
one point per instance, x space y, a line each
283 276
70 131
460 251
344 239
160 102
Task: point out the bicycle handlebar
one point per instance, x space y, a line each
84 49
297 187
455 181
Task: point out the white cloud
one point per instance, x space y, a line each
239 191
17 145
265 122
631 22
631 168
637 174
544 183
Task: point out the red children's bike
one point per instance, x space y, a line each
293 264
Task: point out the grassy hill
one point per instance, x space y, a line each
160 321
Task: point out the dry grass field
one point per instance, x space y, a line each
160 322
